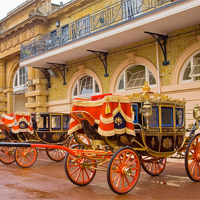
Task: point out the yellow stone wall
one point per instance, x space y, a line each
177 42
38 95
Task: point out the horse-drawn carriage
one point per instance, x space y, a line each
48 128
127 132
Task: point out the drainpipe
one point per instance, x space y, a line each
158 67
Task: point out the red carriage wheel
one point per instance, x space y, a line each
56 154
123 170
82 137
77 169
25 156
7 155
153 165
192 158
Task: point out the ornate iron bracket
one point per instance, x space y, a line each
103 57
45 72
61 68
162 41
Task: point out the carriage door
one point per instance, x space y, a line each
167 128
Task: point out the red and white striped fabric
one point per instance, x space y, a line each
112 113
18 122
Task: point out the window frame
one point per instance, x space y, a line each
181 124
78 86
85 23
157 117
17 76
190 61
124 74
133 6
172 117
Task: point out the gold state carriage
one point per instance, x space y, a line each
141 129
125 133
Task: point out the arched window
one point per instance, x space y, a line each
85 87
191 69
134 77
20 79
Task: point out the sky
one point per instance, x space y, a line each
8 5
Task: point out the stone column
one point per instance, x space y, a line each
37 92
41 88
31 87
3 100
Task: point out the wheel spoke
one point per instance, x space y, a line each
118 182
75 170
79 172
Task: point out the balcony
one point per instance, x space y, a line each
126 23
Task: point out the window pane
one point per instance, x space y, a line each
75 91
154 119
167 116
20 80
66 120
135 76
56 122
179 117
96 87
121 83
86 85
152 80
187 72
83 26
16 80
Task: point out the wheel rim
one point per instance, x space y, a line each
193 159
25 156
77 170
7 155
123 171
153 166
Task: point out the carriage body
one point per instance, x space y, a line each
45 128
152 124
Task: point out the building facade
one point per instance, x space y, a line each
51 54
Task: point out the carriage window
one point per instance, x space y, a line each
167 116
56 122
135 113
154 119
66 119
179 117
44 122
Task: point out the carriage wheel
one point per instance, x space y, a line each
25 156
153 165
123 170
77 171
81 137
192 158
56 154
7 155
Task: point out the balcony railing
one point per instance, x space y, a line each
115 14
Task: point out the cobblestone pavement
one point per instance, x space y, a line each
47 180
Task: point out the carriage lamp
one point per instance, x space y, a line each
147 111
196 114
